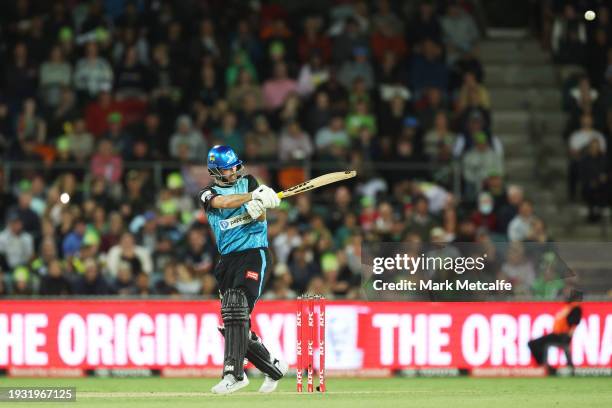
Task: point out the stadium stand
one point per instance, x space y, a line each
107 109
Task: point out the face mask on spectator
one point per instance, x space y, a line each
485 204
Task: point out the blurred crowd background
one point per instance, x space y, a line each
586 95
108 107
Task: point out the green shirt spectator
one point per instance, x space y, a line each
240 61
359 119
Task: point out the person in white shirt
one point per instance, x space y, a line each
127 252
295 144
93 73
16 245
578 142
187 134
333 140
519 228
582 137
312 74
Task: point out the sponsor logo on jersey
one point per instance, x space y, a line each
252 275
234 222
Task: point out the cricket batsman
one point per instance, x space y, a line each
236 208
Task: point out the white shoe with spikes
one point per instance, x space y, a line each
229 384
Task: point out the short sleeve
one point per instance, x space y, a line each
253 184
205 197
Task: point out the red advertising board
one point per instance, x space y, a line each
360 335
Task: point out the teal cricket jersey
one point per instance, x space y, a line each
234 228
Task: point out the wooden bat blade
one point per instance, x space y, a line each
317 182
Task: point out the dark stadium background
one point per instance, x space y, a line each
459 134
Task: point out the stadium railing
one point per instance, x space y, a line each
158 169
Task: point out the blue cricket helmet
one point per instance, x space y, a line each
222 158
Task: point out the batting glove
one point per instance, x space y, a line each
255 208
267 196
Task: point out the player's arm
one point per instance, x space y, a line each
573 319
255 209
230 200
210 199
235 201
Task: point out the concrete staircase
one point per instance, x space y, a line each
526 107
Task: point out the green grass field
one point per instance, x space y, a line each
353 393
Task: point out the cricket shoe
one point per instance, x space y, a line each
269 385
229 384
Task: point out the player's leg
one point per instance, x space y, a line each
568 355
257 267
235 315
273 368
538 349
548 341
566 342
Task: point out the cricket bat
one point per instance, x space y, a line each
317 182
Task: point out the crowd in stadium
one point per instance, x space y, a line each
587 96
107 110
